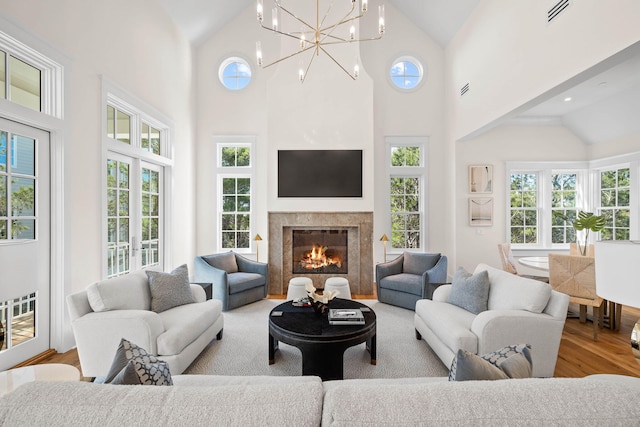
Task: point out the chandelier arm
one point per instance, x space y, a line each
337 63
306 71
289 56
280 32
331 28
345 20
284 9
353 41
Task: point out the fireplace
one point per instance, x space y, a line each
320 251
359 253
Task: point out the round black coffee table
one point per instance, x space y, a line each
322 345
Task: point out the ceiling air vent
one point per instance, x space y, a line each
557 9
464 89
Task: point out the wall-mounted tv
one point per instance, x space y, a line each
319 173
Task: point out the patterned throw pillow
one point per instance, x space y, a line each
133 365
170 290
509 362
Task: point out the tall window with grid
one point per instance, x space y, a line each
405 192
564 207
523 207
235 194
615 186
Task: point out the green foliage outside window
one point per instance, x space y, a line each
563 207
614 204
405 212
235 219
236 157
405 156
523 194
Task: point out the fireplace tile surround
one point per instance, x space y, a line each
360 251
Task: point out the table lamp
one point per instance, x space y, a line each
384 239
257 239
617 272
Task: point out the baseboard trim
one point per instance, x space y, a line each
37 358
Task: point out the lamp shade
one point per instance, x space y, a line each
618 271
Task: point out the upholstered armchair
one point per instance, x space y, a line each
410 277
235 280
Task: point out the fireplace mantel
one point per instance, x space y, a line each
360 224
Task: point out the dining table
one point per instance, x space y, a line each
537 262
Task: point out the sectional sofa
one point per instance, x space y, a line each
307 401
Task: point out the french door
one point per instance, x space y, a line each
135 219
25 239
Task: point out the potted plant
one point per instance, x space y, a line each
587 221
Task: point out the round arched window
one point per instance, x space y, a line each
406 73
234 73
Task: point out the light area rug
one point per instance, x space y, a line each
244 348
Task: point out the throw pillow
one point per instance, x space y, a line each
170 290
413 263
514 360
470 292
134 365
508 362
467 366
225 261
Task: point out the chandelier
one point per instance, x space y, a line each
319 36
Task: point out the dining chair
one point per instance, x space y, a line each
509 264
575 275
574 250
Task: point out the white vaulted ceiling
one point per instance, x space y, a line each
603 106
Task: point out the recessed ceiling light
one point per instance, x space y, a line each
567 99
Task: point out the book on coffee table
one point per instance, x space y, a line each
345 316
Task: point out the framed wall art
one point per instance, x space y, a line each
481 179
480 211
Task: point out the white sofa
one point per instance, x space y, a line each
520 311
202 400
120 307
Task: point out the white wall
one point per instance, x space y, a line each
510 55
136 46
328 111
511 58
495 147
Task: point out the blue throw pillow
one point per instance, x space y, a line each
470 292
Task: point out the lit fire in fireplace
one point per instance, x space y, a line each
318 258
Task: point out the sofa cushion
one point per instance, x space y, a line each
470 292
240 282
450 323
225 261
418 263
170 290
184 324
127 292
134 365
409 283
511 292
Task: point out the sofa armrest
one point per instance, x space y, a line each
442 293
198 293
98 336
250 266
499 328
558 305
436 274
389 268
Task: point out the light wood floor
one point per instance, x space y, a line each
579 355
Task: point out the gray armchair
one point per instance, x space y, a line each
410 277
235 280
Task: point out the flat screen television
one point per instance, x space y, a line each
319 173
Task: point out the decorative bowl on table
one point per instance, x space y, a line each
320 302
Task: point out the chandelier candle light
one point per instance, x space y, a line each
318 37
